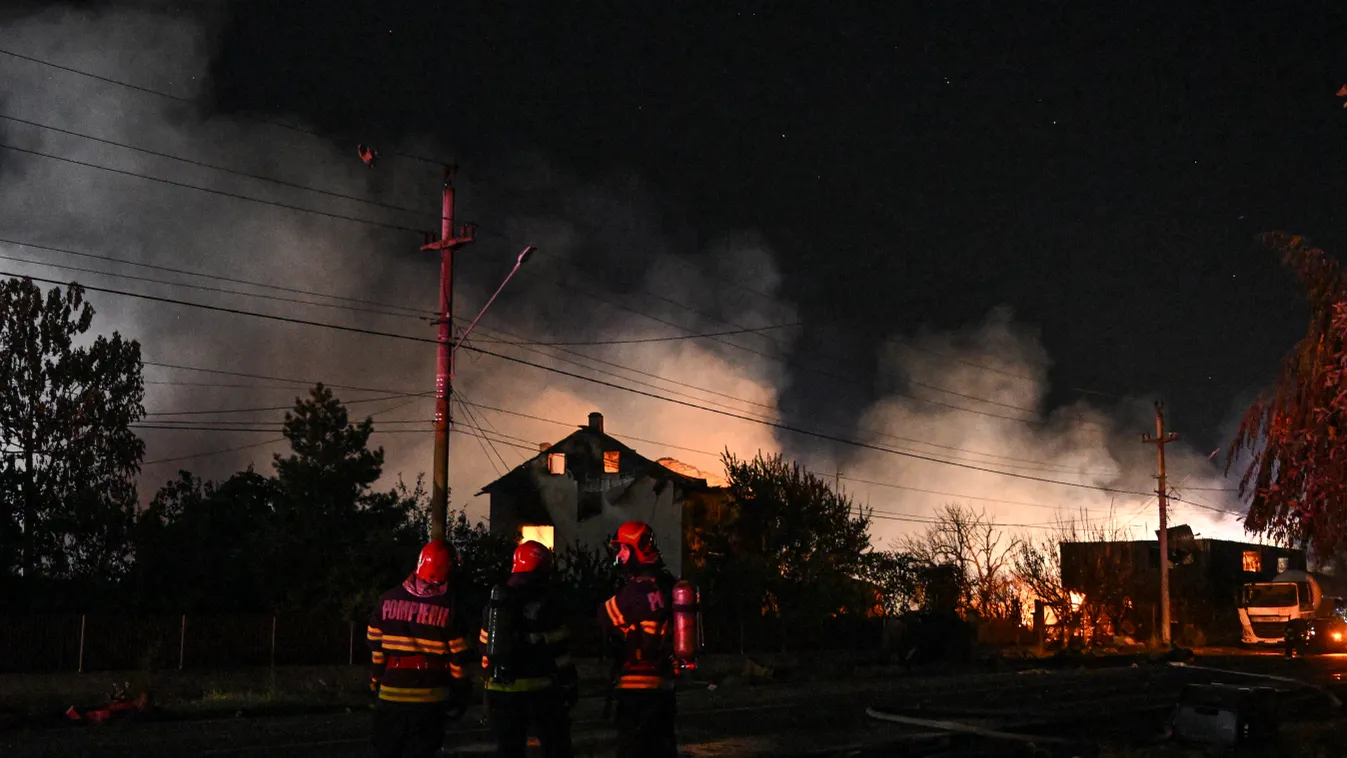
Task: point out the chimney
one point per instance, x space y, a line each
596 422
542 446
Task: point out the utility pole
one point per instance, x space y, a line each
444 366
1161 439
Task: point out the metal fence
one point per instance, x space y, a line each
109 642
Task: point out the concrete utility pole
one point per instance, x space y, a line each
1160 440
444 366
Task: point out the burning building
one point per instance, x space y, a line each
1121 581
578 490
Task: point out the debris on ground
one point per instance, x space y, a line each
120 704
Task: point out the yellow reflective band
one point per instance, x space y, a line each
372 633
483 638
614 614
485 663
376 657
456 671
413 694
532 684
643 682
414 645
458 645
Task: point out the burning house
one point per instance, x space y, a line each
578 490
1121 581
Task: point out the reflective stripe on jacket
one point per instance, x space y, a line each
543 659
417 646
640 614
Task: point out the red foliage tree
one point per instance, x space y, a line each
1293 435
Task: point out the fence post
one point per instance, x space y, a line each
182 642
350 643
81 664
273 641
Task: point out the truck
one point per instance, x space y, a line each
1266 608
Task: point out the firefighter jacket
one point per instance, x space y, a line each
640 615
540 648
417 644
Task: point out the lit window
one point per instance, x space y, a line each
610 459
1283 563
556 463
1253 561
537 533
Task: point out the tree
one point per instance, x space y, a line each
485 558
897 576
202 545
69 455
333 544
1296 475
1089 590
979 552
791 548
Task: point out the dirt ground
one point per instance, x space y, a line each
1089 707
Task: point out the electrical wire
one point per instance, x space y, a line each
223 169
410 210
407 312
189 101
204 288
222 193
814 369
217 277
604 383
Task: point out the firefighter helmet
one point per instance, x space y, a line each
436 561
635 543
531 556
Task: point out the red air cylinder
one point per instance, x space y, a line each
686 624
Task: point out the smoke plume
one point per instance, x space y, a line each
610 268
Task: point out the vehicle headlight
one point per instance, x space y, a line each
1337 636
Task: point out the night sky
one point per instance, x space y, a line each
1101 171
894 178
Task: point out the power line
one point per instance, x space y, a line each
222 193
845 377
562 372
209 453
201 287
246 375
409 313
672 338
217 277
910 381
276 407
1034 464
570 285
257 119
224 169
478 426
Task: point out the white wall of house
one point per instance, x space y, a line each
624 496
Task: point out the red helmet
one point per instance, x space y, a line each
436 562
635 542
531 556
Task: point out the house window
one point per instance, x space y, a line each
538 533
556 463
610 460
1283 563
1253 561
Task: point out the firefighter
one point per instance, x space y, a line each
1297 637
420 657
637 620
526 659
